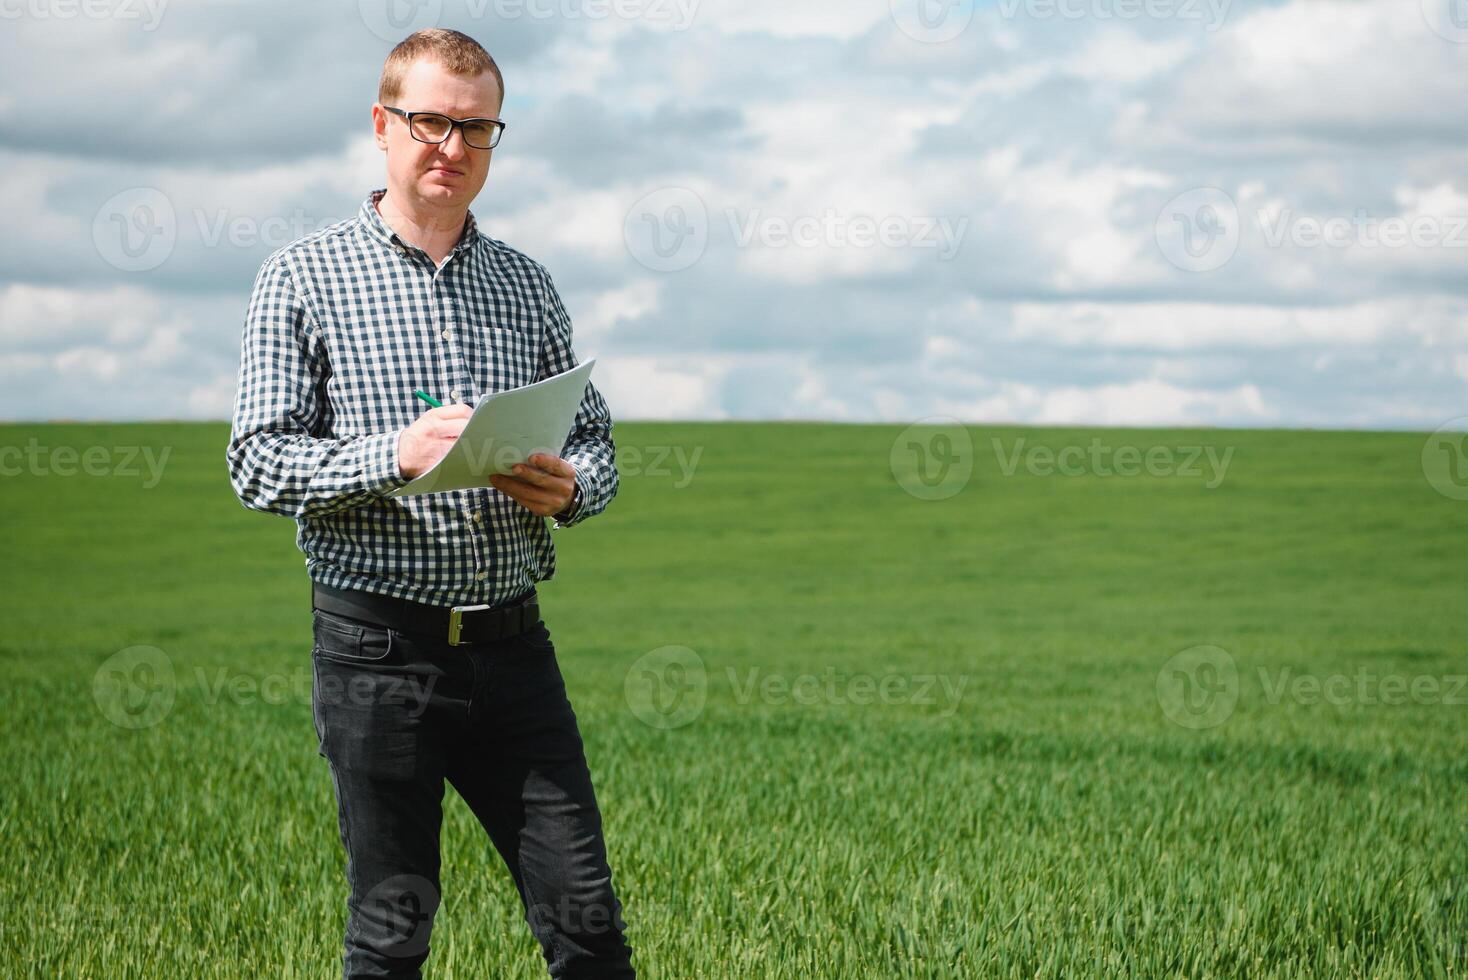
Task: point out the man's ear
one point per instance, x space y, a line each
379 125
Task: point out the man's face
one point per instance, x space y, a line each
447 174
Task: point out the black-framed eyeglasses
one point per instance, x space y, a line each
434 127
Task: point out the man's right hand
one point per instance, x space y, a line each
429 438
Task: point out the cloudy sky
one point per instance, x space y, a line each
1047 211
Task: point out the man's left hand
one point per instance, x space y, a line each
544 484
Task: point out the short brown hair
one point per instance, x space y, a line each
459 53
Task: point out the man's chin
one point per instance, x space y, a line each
438 187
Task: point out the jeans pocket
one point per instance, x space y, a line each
371 715
347 641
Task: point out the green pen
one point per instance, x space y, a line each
420 393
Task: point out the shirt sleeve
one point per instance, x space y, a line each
590 447
277 461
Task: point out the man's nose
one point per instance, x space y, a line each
454 147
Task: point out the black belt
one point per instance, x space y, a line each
458 625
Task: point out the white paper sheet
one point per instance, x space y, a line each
505 429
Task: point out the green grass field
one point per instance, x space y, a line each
1086 805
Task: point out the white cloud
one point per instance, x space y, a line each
117 352
1325 70
659 387
601 311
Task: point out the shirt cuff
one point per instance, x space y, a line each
574 510
380 472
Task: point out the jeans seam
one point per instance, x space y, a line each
555 936
341 816
318 710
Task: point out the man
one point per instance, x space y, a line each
430 659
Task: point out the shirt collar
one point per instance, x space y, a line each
378 229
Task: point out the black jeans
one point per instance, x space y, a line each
397 714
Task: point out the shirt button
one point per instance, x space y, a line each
448 335
481 575
453 396
477 517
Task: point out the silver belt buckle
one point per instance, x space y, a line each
456 621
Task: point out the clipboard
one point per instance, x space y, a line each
507 427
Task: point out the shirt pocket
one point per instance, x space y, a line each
511 358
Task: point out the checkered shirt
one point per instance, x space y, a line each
343 324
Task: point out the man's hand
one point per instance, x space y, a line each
429 438
545 486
